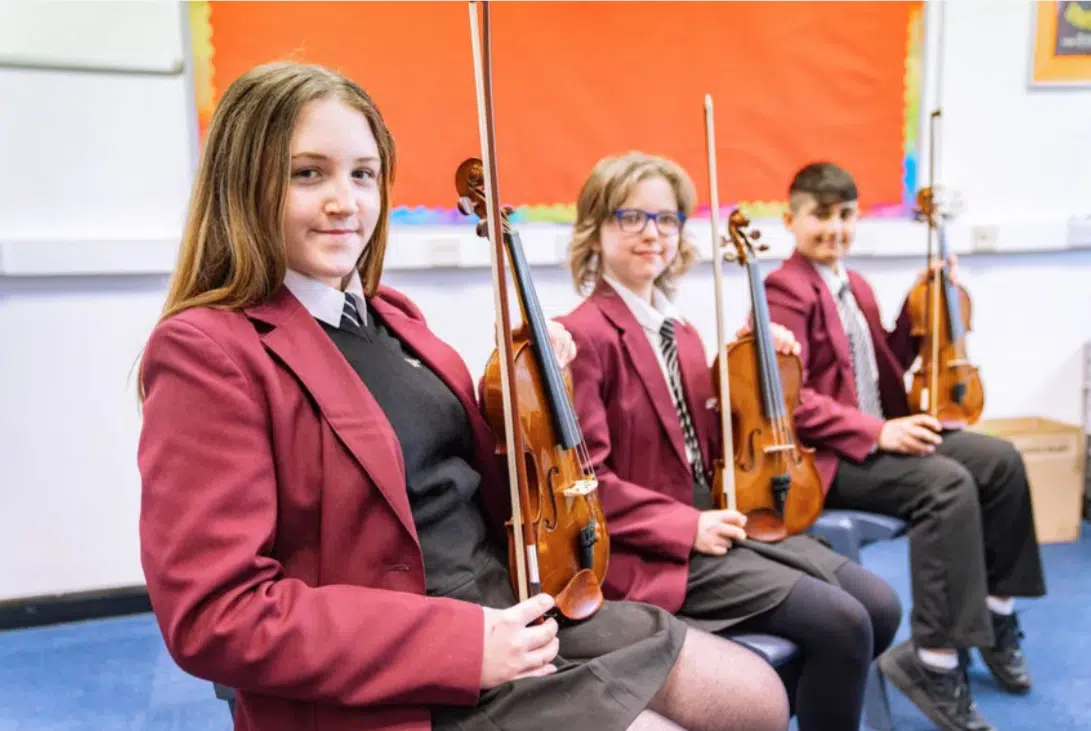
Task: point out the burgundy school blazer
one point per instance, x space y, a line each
828 418
636 445
276 536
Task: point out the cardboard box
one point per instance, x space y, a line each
1055 454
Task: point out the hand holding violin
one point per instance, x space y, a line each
563 344
952 271
515 650
564 347
784 340
717 529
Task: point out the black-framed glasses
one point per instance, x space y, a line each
634 220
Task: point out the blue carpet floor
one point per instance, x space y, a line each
115 675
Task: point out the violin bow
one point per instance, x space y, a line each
526 558
718 255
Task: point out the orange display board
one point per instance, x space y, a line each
792 82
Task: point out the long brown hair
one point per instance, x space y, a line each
232 251
612 181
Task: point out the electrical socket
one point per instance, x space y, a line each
983 239
1079 233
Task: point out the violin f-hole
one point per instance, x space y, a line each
554 474
750 455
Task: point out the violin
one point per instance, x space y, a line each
773 479
557 539
946 385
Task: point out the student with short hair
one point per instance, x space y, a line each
972 544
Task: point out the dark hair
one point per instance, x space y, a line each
827 183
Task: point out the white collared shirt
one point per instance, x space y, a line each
323 301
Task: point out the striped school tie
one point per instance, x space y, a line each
863 353
350 318
670 354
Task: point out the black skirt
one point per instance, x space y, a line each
609 667
752 579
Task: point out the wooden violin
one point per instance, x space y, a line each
773 479
557 539
946 385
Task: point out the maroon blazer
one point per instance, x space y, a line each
636 445
276 536
828 418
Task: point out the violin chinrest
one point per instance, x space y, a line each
581 597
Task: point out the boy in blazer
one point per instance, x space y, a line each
321 511
964 494
644 396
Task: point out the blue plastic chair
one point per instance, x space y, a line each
782 654
227 694
847 532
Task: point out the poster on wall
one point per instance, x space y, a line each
575 81
1062 44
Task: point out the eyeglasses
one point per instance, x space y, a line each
634 220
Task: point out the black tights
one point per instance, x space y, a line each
839 632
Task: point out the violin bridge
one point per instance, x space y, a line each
581 488
779 448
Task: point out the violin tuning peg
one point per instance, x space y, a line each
483 228
730 255
508 210
465 206
755 235
762 247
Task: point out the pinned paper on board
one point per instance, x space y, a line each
1061 53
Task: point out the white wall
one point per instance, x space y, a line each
97 168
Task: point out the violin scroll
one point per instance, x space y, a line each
741 239
935 205
470 186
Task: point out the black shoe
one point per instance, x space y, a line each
941 695
1005 658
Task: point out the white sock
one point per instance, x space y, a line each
938 660
1000 606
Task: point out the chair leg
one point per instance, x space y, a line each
877 715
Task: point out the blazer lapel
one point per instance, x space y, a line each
836 331
444 361
346 404
644 360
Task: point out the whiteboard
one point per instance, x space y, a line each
92 35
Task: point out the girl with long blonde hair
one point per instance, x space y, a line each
322 516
